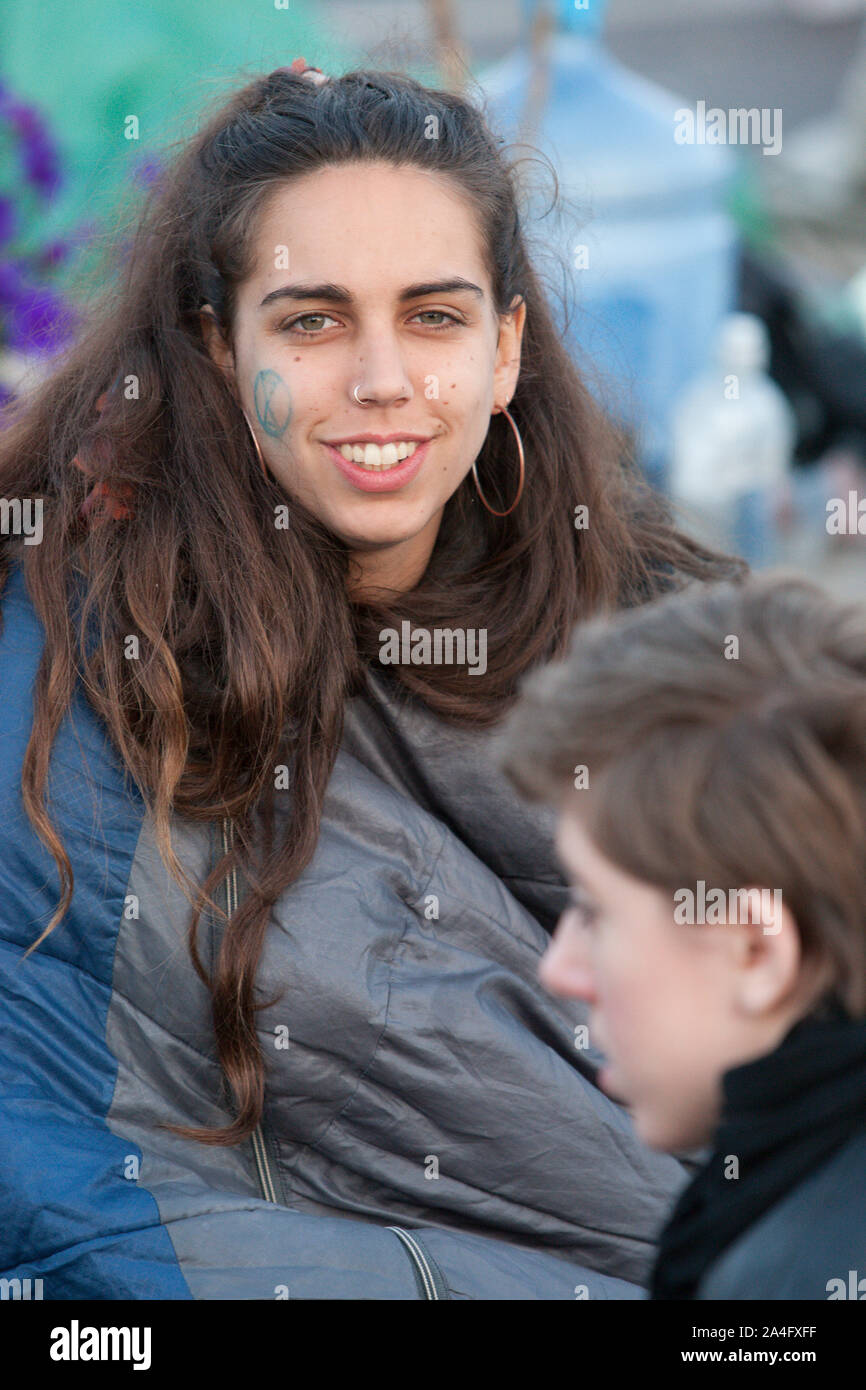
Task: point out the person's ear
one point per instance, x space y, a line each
765 956
217 347
507 368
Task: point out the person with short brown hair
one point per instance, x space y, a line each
707 754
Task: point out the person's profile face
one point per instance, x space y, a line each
432 364
660 994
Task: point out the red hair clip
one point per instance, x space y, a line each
301 68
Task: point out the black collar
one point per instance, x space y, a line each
782 1116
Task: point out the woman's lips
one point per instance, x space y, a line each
384 479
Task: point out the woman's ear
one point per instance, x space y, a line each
216 345
771 970
507 366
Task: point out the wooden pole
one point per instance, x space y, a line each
538 87
452 55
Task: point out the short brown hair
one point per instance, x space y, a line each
723 729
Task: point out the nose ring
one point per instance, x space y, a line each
357 397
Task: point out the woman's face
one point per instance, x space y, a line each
355 284
673 1006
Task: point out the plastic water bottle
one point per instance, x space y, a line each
733 440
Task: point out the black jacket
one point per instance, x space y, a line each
779 1208
811 1244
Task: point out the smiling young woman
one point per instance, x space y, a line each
320 316
409 348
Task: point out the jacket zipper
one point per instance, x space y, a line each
260 1153
419 1259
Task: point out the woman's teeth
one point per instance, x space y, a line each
378 456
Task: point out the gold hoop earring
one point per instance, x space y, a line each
255 443
522 471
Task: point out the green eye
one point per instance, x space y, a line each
289 325
439 313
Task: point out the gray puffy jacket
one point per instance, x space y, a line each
431 1128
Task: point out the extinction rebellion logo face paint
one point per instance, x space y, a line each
76 1343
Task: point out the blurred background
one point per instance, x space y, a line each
706 257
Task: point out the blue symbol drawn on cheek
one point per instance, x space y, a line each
273 403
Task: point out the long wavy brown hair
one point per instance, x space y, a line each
249 643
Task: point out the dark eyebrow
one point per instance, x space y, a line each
338 294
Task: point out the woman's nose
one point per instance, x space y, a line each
565 967
381 376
